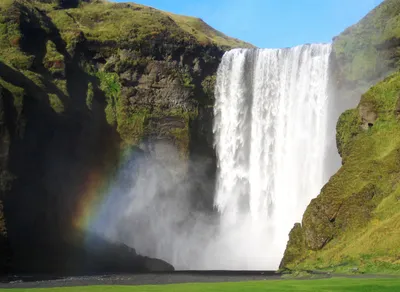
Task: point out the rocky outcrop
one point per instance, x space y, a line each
79 86
296 247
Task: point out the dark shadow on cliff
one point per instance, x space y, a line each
202 154
203 162
56 160
8 122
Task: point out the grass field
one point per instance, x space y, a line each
325 285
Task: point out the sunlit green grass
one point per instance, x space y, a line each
366 237
360 46
136 24
339 284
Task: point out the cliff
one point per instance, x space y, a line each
353 225
80 81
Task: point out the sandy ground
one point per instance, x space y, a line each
136 279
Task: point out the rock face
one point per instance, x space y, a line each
77 87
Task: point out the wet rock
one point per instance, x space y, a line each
317 225
295 248
368 115
155 265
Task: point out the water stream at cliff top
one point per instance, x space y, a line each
271 115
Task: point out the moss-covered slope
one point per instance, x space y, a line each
366 52
354 224
130 23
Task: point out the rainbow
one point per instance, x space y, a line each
96 191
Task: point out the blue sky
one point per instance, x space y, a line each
273 23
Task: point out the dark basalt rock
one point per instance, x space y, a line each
368 115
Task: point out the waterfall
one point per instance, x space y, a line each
270 131
270 137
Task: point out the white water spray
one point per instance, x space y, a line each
270 135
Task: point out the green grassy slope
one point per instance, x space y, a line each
355 221
206 34
133 23
367 51
122 23
327 285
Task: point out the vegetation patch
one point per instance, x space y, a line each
17 93
132 124
53 60
10 38
208 85
89 96
187 80
110 85
129 120
56 103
